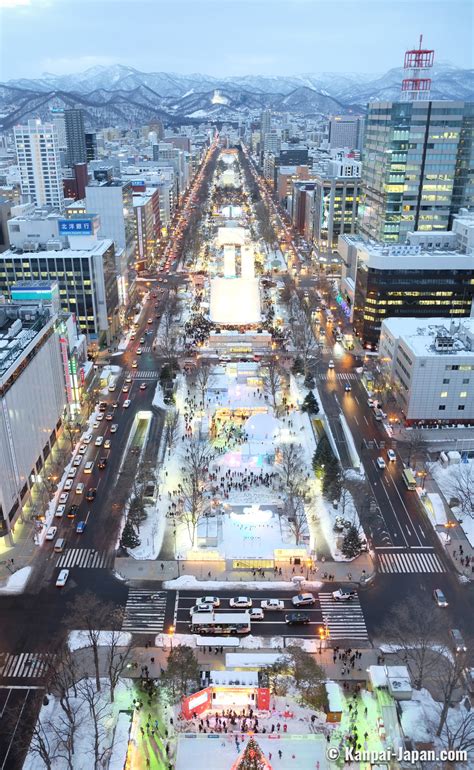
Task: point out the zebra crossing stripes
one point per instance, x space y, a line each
344 620
144 611
339 376
137 374
29 665
87 558
409 562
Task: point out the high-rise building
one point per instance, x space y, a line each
265 123
38 160
336 200
91 146
60 122
417 167
75 137
346 131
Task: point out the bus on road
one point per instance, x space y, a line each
220 623
409 479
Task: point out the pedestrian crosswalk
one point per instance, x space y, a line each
83 557
343 376
144 611
414 561
146 348
343 620
138 374
28 665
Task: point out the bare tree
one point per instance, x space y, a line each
458 732
201 378
98 711
448 677
461 487
64 731
171 428
167 337
89 613
294 508
41 745
303 339
62 677
415 448
118 654
412 627
272 381
192 503
291 467
71 429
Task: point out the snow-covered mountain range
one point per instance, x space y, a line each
122 95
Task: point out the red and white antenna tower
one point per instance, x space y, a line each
418 62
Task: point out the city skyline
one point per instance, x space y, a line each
225 39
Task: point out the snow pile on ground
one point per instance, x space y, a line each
17 582
190 582
79 639
158 399
112 729
331 517
445 477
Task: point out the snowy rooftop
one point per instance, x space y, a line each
419 335
235 301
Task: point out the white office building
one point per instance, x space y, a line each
431 367
33 398
37 149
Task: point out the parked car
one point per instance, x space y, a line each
71 473
61 580
60 511
68 485
51 533
295 618
303 600
272 604
82 449
87 438
343 595
77 461
241 602
440 598
256 613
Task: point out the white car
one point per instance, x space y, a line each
100 417
209 600
62 578
51 533
107 443
99 441
241 602
256 614
87 438
71 473
303 600
112 388
134 364
343 595
125 389
371 402
201 608
381 463
95 425
77 460
82 449
127 403
139 351
128 378
272 604
60 511
114 428
391 455
331 364
67 485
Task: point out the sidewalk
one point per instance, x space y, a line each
351 572
459 547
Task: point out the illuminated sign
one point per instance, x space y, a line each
75 227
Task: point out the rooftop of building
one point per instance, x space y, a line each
97 247
19 326
408 256
421 334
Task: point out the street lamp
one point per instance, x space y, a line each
171 630
323 632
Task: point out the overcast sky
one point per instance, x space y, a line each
229 37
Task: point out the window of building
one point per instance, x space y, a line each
463 394
446 382
466 381
442 407
461 407
443 394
